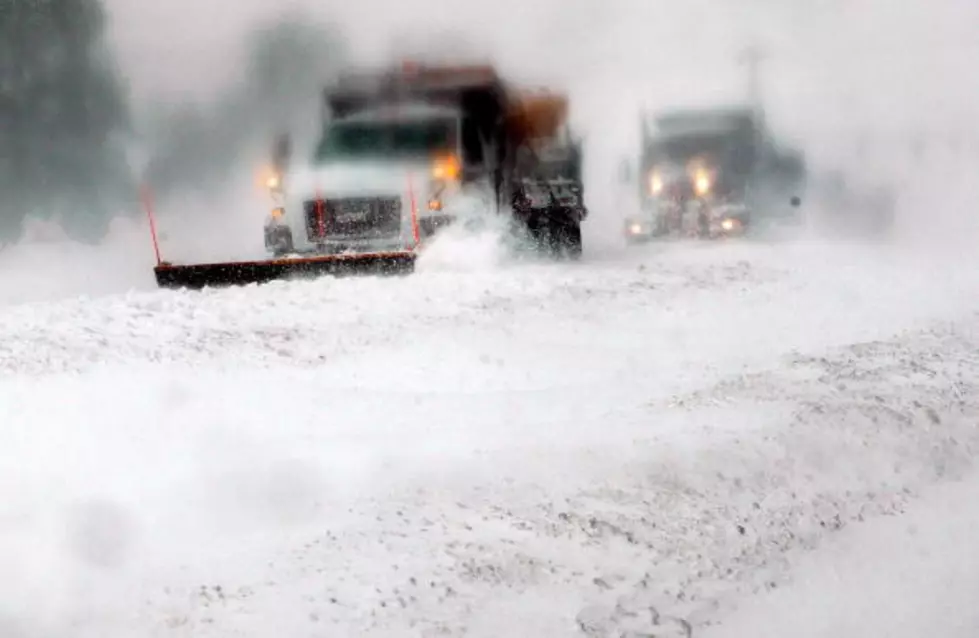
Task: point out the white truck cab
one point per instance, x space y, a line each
380 179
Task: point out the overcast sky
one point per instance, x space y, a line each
890 63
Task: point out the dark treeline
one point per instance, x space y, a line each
67 125
64 117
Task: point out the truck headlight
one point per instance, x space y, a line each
702 183
269 180
655 184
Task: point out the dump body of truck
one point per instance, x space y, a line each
447 145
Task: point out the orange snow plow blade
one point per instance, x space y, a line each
197 276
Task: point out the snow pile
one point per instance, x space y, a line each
222 224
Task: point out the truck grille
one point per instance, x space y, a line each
353 217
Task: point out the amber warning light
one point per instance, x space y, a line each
446 168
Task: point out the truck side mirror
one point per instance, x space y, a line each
282 150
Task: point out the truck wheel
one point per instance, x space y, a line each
567 238
541 233
660 228
280 241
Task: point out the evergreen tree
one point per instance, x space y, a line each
62 114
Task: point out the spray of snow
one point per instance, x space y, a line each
46 264
461 250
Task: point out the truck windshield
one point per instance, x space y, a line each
732 150
371 139
681 149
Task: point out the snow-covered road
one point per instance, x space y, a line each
916 575
494 452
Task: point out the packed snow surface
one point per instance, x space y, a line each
907 577
634 443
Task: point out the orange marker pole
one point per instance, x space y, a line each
320 215
414 212
147 198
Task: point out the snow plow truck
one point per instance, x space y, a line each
403 153
713 173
